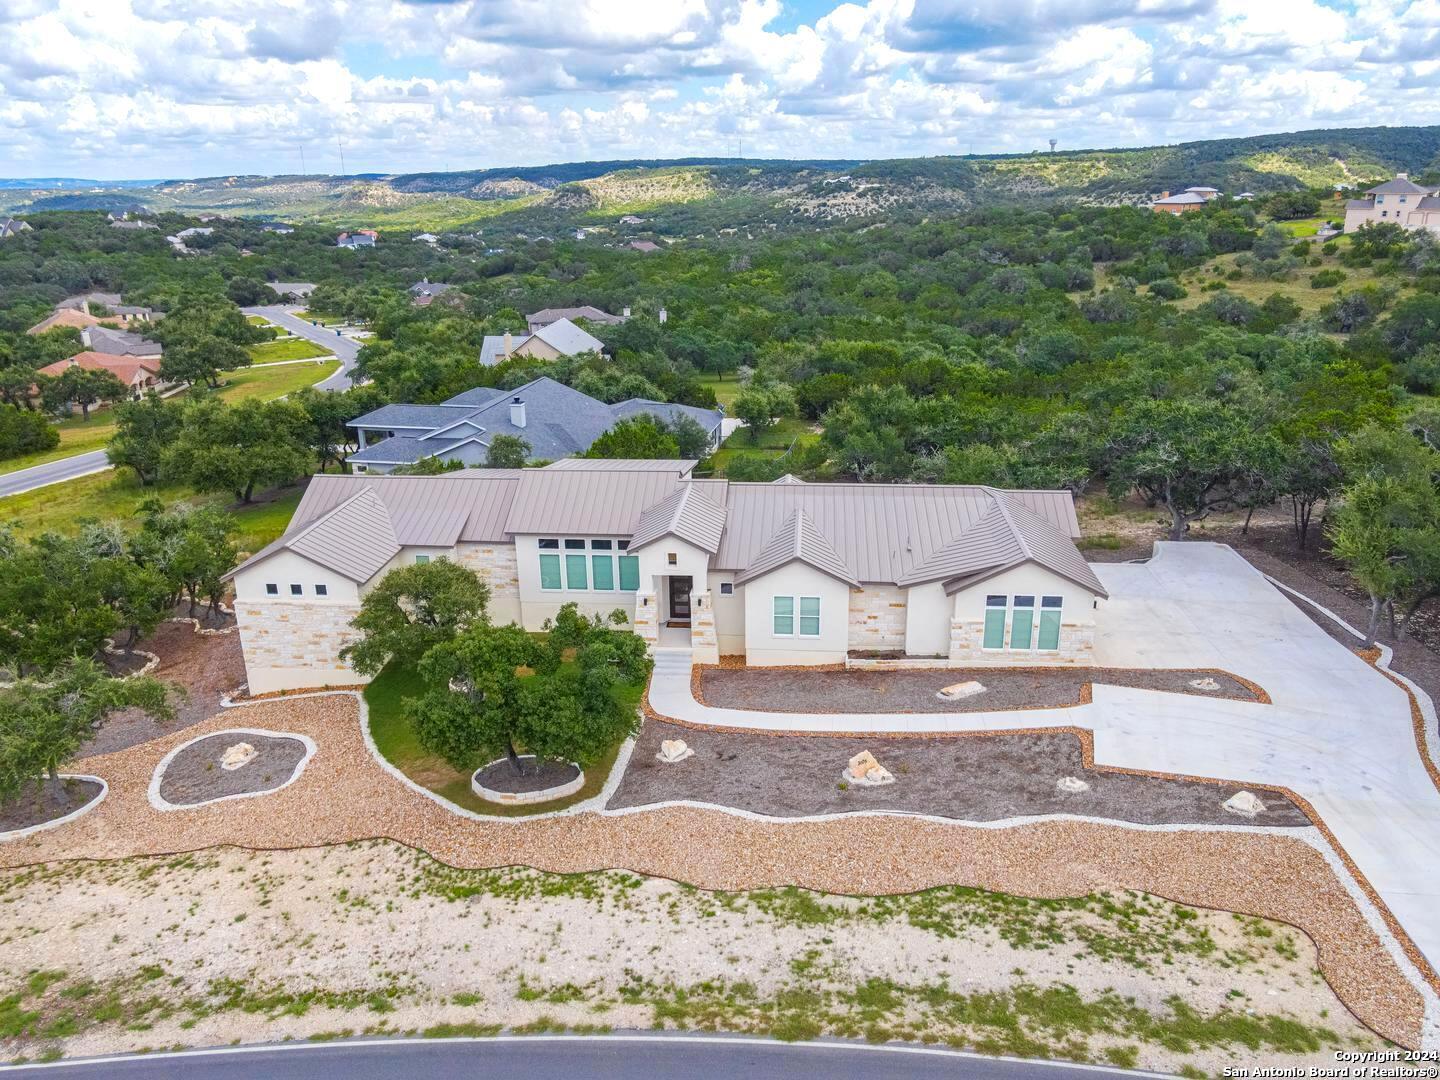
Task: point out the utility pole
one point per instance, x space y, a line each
341 145
303 172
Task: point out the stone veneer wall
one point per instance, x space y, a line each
1077 646
495 563
647 612
877 618
704 645
288 646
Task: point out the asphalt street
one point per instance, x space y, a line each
52 472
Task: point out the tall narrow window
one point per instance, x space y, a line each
602 571
1050 623
1022 623
994 622
549 571
809 616
629 573
784 616
575 572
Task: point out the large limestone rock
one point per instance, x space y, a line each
673 750
866 771
234 757
1072 785
956 691
1207 684
1244 803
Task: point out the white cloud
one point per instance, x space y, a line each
186 87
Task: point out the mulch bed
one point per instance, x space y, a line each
53 803
205 666
970 778
802 691
124 663
501 776
195 775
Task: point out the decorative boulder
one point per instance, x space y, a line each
1072 785
866 771
1244 803
1207 684
959 690
673 750
235 756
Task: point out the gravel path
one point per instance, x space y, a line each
798 690
971 777
195 776
345 796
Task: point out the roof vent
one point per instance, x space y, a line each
625 312
517 413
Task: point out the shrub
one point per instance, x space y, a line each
1327 279
25 432
1168 289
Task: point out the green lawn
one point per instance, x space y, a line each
772 443
65 507
268 352
725 389
1303 227
76 437
275 381
257 320
396 741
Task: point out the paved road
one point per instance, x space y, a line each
53 472
346 349
612 1057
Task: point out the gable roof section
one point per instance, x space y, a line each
355 540
798 540
709 419
567 338
124 368
551 502
687 514
477 396
414 417
545 316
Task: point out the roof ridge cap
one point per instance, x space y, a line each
1001 503
306 529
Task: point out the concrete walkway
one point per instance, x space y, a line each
1338 733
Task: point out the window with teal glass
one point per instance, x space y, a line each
1022 623
550 571
421 560
629 573
575 572
994 622
784 616
602 571
809 616
1049 623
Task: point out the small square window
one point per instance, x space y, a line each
727 588
296 590
550 545
322 590
421 560
671 559
600 545
623 545
574 545
272 590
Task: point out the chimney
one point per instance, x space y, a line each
625 312
517 412
507 344
1164 194
663 315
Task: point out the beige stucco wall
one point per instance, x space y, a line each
537 604
877 618
537 349
1077 619
285 568
927 620
729 614
763 648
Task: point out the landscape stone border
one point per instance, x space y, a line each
159 802
30 830
525 798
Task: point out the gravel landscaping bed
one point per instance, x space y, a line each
970 777
204 666
800 691
194 775
52 803
501 776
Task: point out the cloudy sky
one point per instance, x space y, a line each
168 88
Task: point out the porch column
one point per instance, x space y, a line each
647 617
704 645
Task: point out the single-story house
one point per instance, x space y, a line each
779 574
646 246
538 320
12 227
104 339
425 292
293 288
1183 203
552 341
358 239
556 420
138 373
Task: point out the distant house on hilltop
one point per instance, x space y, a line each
550 342
536 320
1183 203
1399 202
12 227
646 246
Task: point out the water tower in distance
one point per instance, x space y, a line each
1052 146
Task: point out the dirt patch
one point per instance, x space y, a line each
123 663
969 777
204 666
501 776
796 690
195 776
204 618
50 804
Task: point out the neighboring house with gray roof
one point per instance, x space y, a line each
12 227
552 341
425 292
102 339
556 420
781 574
545 316
1397 202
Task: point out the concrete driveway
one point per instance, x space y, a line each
1338 733
345 347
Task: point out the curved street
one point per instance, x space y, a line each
346 349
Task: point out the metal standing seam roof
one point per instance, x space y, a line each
582 503
689 514
680 466
545 316
355 539
798 540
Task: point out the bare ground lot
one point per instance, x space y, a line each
794 690
375 937
969 777
194 775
